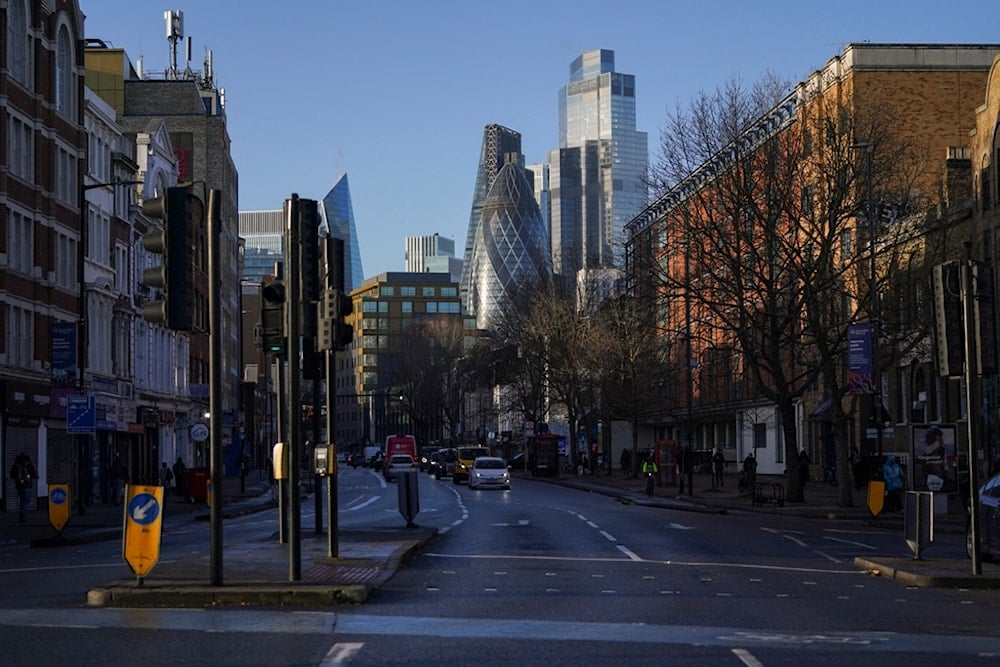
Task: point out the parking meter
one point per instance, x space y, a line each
324 460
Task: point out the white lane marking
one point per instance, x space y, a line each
827 556
852 543
361 505
608 536
747 658
680 526
782 531
625 550
799 542
633 557
341 652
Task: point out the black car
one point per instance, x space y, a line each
425 457
989 520
441 463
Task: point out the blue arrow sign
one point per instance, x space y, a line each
81 415
143 509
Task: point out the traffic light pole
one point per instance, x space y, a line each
215 382
294 329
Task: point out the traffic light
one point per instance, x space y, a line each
949 329
180 212
274 338
334 333
983 318
309 264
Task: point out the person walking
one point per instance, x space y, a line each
119 478
804 462
24 475
649 469
180 478
718 467
166 479
892 475
626 462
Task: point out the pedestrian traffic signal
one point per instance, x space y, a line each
180 212
273 336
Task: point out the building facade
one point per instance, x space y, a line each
338 214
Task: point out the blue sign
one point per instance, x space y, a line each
144 509
81 415
58 496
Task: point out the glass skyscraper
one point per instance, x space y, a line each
498 141
598 174
511 248
339 216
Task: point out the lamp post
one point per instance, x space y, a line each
873 296
81 336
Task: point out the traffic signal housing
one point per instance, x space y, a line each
334 333
273 336
180 212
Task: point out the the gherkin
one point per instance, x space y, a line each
511 247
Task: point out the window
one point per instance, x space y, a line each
64 72
449 291
407 306
20 334
408 291
18 42
65 184
432 307
369 306
427 291
21 148
20 242
387 290
66 248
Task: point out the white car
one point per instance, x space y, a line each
489 471
396 464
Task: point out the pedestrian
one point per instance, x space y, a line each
804 462
119 478
166 477
649 469
626 461
718 467
594 461
24 475
857 468
180 478
892 475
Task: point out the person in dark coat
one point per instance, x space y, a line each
180 478
24 475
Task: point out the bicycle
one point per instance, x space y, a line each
747 481
649 484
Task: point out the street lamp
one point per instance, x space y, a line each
873 296
81 337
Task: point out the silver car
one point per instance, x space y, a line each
489 471
989 520
396 464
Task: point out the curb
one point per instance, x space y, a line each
191 595
883 569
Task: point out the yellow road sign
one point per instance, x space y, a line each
59 506
143 520
876 497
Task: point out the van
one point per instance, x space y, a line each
464 458
401 444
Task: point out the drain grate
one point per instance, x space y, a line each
340 574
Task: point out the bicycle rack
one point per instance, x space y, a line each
768 493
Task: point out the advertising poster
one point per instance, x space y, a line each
935 466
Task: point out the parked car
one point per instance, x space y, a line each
489 471
989 520
396 464
441 463
464 458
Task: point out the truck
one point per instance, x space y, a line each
543 455
401 444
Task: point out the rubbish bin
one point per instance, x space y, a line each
197 484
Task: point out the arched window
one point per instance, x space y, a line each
18 51
64 72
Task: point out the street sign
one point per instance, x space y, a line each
81 415
143 521
59 506
199 432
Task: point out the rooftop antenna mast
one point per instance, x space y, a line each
175 32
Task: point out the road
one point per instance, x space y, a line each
541 574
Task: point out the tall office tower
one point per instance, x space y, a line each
420 248
511 247
538 174
598 173
339 216
498 141
263 232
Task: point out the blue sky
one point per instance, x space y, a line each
396 93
